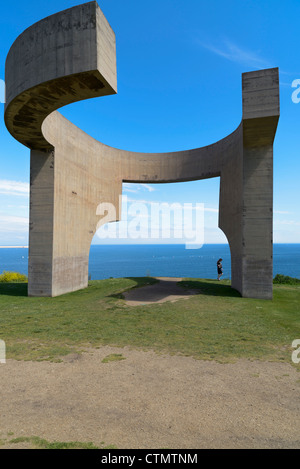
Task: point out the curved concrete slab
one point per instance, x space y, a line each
71 56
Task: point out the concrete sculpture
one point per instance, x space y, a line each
71 56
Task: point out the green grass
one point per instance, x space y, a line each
285 280
215 324
113 357
39 443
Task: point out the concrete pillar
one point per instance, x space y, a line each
41 223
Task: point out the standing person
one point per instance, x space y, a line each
220 268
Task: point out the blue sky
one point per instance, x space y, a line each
179 65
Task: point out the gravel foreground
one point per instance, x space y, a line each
151 401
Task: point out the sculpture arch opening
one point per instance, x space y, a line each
161 232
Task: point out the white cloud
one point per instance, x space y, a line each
148 187
235 53
285 84
287 222
136 188
14 188
130 187
22 207
11 223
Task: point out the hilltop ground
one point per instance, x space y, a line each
211 370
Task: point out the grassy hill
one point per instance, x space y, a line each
214 324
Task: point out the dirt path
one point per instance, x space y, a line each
165 290
151 401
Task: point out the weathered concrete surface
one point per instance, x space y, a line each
67 57
71 173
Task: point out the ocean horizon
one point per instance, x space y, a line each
158 260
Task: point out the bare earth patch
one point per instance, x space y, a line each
151 401
165 290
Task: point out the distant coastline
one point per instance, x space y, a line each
146 244
149 244
118 261
13 247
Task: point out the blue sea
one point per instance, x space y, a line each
159 260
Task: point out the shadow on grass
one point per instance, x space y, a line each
14 289
202 287
139 282
210 288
